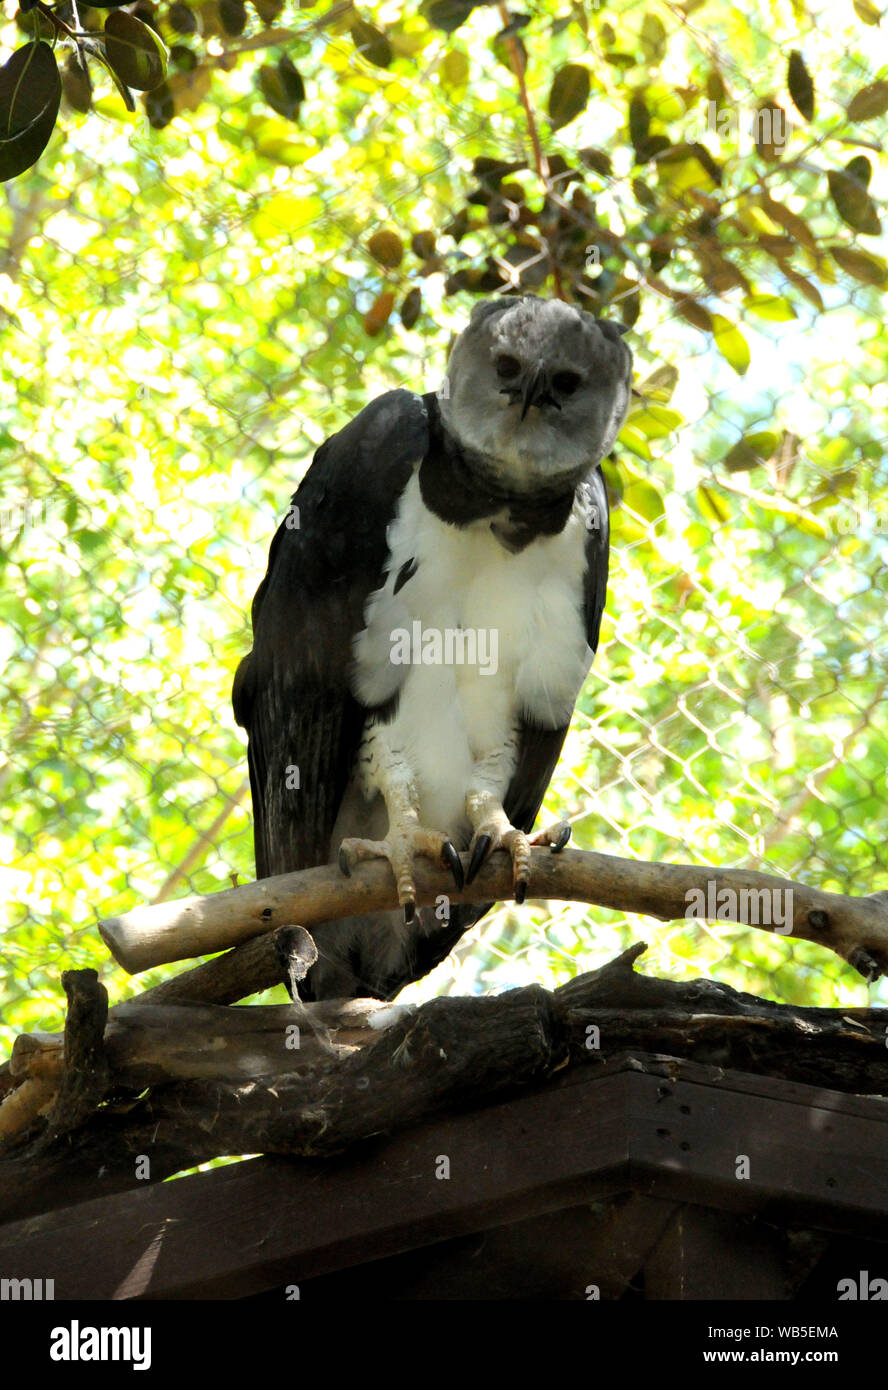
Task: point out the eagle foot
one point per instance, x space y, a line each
400 847
495 834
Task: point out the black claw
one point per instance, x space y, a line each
344 865
562 840
520 891
479 854
865 965
454 864
409 911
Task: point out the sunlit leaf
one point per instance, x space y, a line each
643 499
731 343
751 451
454 69
771 306
867 11
711 505
285 213
660 384
655 421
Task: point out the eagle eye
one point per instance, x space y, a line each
507 368
566 383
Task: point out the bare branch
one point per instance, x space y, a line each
856 928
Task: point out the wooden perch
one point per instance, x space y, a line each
856 928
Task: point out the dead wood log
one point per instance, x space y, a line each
85 1076
449 1053
856 928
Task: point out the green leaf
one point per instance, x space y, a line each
30 95
639 121
633 439
453 69
643 499
660 384
372 44
771 306
860 169
801 87
283 214
569 94
867 11
731 344
711 505
656 421
134 51
870 101
282 87
853 204
653 39
751 451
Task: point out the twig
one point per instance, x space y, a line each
541 163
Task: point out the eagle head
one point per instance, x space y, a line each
538 387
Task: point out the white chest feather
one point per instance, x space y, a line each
474 639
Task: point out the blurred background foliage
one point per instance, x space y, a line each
195 292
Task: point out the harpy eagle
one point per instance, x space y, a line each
430 611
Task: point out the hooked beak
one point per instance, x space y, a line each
536 390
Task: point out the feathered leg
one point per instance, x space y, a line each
492 827
385 770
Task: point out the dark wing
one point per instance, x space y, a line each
540 749
291 693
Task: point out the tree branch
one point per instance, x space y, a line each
856 928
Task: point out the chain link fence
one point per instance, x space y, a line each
189 311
